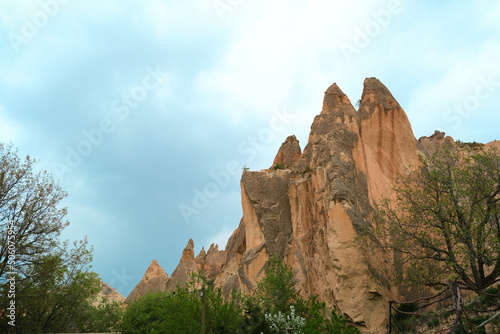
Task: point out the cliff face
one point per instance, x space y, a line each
311 212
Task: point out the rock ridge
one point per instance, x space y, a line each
311 210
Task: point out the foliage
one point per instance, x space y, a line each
338 324
161 312
180 311
276 290
104 317
275 294
278 323
28 201
306 170
279 165
253 319
53 284
317 322
445 222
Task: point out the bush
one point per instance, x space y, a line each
279 165
180 311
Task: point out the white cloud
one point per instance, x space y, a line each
282 47
451 100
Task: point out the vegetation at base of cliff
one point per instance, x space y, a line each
180 311
45 285
274 307
445 222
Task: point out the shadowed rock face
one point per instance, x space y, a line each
110 293
311 212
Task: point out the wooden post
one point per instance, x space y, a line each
203 309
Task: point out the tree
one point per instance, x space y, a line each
28 204
445 221
276 305
180 311
46 283
102 317
163 312
276 289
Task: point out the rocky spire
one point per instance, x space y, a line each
154 280
289 152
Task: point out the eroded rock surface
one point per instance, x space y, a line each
311 212
154 280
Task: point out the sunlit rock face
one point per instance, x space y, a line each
154 280
312 209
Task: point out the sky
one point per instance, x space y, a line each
145 112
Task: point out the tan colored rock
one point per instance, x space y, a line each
186 266
429 145
108 292
312 220
289 152
387 146
154 280
210 263
495 145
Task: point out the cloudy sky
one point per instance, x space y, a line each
146 111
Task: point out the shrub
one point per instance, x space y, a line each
279 165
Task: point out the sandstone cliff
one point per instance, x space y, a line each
311 212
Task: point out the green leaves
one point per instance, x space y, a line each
445 219
180 311
54 288
277 287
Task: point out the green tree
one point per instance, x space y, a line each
164 312
252 319
317 321
101 317
180 311
276 290
445 221
270 309
53 283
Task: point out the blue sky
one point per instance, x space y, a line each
146 111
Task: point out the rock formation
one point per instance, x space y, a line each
108 292
210 263
289 152
154 280
311 212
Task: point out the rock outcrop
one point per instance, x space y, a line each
311 213
289 152
154 280
311 210
111 294
210 263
